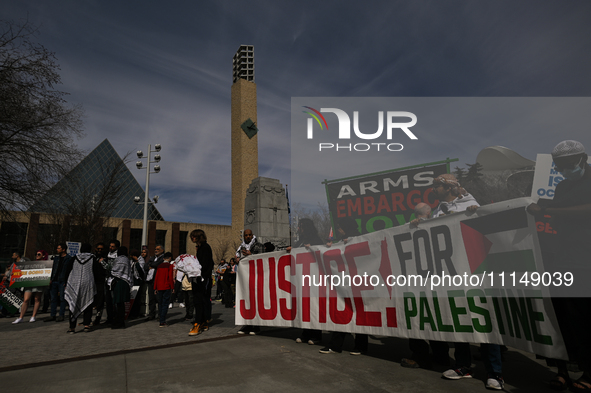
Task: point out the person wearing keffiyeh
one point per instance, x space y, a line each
120 285
249 246
80 287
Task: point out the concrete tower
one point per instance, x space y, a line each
245 156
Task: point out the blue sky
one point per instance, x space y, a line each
155 72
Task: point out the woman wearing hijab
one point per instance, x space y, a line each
120 284
81 288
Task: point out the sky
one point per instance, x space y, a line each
151 72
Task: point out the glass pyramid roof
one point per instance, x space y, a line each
87 181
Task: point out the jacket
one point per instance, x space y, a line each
164 277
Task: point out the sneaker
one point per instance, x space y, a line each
299 340
163 325
32 319
204 327
327 350
254 330
311 342
182 305
170 305
495 382
244 329
71 331
458 373
195 331
356 352
18 320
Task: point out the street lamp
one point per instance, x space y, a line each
147 201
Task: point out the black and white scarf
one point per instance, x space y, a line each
80 289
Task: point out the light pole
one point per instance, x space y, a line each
147 201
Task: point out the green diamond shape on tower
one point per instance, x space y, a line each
249 128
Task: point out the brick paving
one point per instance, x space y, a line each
41 342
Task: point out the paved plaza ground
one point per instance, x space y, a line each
145 358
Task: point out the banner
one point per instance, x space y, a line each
457 278
383 200
9 300
27 274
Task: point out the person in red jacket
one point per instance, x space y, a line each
164 286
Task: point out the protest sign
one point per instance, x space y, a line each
455 278
27 274
385 199
546 178
73 248
9 300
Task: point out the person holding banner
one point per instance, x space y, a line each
571 217
308 236
41 255
453 199
346 228
249 246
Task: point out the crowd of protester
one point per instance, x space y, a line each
102 280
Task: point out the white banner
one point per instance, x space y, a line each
462 277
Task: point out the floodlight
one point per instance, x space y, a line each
139 165
157 158
140 154
157 147
156 168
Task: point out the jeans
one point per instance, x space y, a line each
57 291
163 302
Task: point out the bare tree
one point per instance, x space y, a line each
320 216
224 248
37 127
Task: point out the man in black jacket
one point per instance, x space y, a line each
57 282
